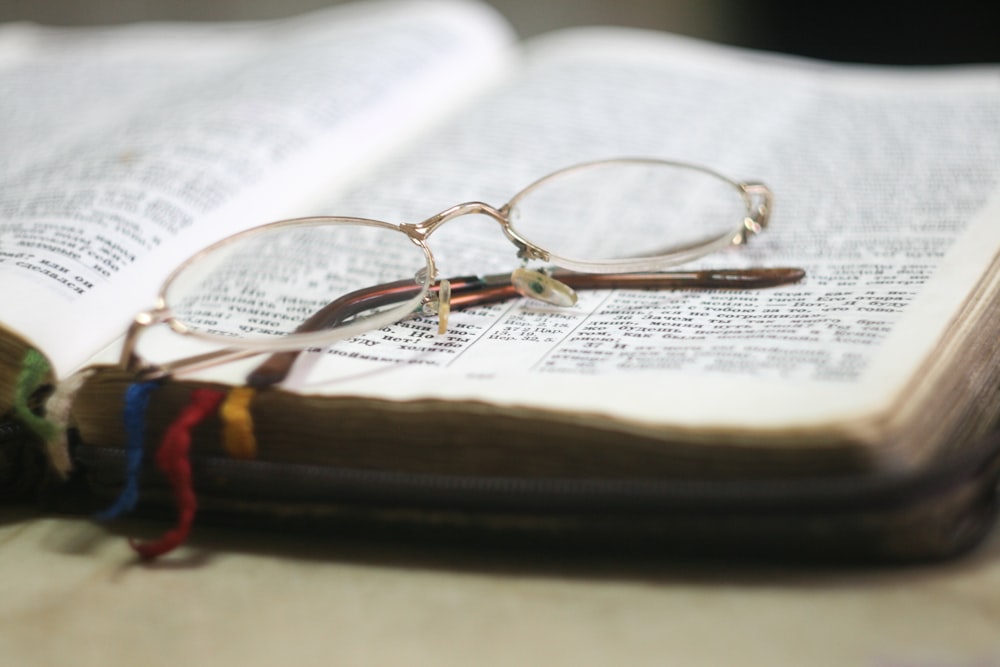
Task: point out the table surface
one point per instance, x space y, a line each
72 593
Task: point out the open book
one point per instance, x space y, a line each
128 149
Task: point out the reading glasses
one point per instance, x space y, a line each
288 286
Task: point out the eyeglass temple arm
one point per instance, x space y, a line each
470 291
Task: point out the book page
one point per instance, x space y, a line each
883 182
127 149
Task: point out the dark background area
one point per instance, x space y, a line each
904 32
878 31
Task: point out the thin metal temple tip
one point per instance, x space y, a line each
750 278
780 275
272 370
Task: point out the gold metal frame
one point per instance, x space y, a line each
426 290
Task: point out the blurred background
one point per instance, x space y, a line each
877 31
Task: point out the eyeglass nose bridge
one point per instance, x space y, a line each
420 231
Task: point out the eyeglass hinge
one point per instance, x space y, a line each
527 253
759 199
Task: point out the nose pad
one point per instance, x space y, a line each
443 305
542 286
438 303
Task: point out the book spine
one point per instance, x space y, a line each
22 463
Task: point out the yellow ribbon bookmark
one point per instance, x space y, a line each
237 423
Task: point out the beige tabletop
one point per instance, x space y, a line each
72 593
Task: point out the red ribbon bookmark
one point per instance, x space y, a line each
172 459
